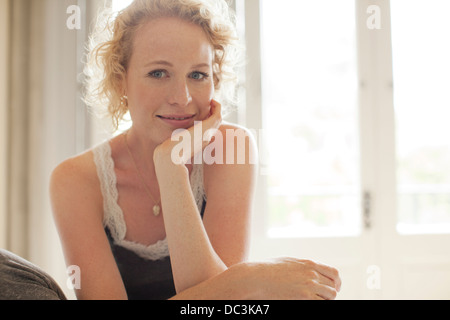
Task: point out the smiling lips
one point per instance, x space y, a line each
177 117
179 121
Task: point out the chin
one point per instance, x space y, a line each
203 115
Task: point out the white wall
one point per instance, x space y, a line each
58 121
4 45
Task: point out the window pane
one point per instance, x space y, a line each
421 60
120 4
310 117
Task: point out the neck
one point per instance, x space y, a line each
142 149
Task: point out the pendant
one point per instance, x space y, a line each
156 210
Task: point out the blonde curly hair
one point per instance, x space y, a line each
111 43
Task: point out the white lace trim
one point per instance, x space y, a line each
113 214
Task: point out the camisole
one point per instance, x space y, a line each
146 271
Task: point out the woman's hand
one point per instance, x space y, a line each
279 279
192 141
294 279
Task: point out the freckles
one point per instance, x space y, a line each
203 92
202 101
209 91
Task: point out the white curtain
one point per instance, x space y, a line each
44 119
4 77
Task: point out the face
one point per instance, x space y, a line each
169 80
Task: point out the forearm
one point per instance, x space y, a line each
192 256
236 283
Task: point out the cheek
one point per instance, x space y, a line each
144 99
203 100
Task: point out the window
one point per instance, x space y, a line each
124 125
309 85
421 67
118 5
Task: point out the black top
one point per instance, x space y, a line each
144 279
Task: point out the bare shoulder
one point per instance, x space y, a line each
234 129
75 171
74 183
235 157
238 145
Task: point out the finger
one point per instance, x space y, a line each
325 281
326 292
211 125
325 287
331 273
203 131
216 107
322 286
215 113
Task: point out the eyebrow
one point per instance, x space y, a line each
201 65
166 63
160 62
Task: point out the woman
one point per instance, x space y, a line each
128 194
121 207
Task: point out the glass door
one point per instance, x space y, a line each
360 183
310 115
419 265
421 51
310 120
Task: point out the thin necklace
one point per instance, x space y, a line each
156 207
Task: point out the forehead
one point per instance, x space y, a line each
173 40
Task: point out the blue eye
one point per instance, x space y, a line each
199 75
158 74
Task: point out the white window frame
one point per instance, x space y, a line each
377 147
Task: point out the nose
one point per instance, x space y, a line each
179 94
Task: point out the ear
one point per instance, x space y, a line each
123 88
122 92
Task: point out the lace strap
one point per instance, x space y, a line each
112 213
